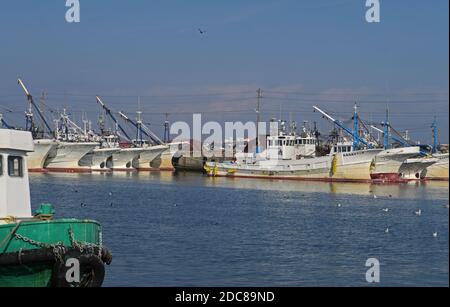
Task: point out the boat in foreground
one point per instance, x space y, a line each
37 250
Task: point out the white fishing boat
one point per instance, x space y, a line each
294 157
351 165
283 158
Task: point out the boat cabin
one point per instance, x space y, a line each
14 185
342 147
291 147
283 146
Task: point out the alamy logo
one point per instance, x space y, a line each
373 273
73 13
373 13
73 271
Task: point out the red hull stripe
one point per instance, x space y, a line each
69 170
397 180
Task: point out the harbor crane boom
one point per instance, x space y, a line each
397 140
142 128
108 111
30 99
356 138
4 124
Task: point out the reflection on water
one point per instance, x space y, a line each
437 189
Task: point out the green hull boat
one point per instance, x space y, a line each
35 249
34 253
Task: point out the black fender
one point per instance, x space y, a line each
92 271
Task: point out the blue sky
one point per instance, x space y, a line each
300 52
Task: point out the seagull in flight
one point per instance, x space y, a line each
201 31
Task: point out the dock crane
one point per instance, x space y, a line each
29 114
108 111
357 139
141 129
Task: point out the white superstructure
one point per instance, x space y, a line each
14 185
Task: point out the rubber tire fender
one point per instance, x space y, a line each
92 271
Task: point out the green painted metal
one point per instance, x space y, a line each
48 232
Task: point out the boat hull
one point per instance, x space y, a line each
439 170
163 162
126 159
316 169
353 166
386 165
67 157
412 169
48 232
99 160
147 156
37 158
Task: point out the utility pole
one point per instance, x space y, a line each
258 118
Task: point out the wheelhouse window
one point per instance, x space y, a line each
1 165
15 166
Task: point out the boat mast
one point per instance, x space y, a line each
435 135
144 129
258 118
386 130
356 137
139 138
29 114
108 111
166 130
355 128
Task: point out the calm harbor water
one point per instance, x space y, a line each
190 230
